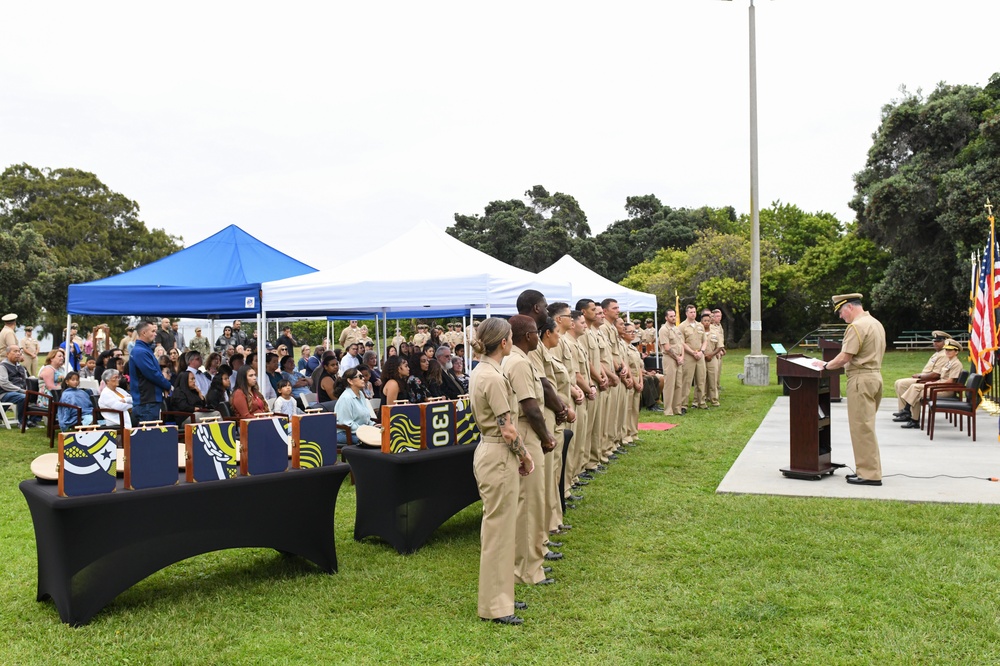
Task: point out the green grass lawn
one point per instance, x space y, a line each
658 569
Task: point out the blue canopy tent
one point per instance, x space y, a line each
217 277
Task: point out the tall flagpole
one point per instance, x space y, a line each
755 366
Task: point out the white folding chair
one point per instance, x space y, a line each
4 406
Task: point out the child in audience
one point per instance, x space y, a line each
72 394
285 403
87 371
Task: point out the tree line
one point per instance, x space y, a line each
919 203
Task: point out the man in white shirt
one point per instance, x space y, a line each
201 378
351 360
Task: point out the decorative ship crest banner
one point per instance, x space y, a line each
88 462
314 440
211 451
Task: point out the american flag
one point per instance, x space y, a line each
983 338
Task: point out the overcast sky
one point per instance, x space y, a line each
326 127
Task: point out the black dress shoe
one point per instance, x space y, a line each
904 412
575 498
565 528
852 476
554 544
588 475
558 556
858 481
520 605
581 484
911 424
684 411
547 569
900 419
570 506
546 581
506 619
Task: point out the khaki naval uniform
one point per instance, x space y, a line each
635 365
935 363
496 470
607 396
579 446
694 368
595 415
865 339
721 332
949 372
30 348
647 338
350 336
529 551
7 338
671 347
421 339
712 344
555 464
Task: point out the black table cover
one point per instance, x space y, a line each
404 497
92 548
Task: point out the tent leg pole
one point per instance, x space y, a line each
67 366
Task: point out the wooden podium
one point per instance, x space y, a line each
809 417
830 350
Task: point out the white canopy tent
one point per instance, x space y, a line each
588 284
422 273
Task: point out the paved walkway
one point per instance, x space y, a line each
903 452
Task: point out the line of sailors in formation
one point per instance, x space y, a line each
556 395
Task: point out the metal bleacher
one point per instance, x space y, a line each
912 340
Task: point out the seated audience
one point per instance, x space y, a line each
300 367
218 392
419 363
186 396
89 365
325 378
300 385
285 403
395 374
458 373
72 394
247 399
352 409
114 397
51 375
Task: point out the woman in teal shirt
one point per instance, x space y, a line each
352 407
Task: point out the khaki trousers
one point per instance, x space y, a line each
553 471
495 468
633 429
864 394
901 386
578 446
608 409
679 386
712 381
669 380
597 429
529 552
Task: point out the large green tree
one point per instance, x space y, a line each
933 162
530 234
87 230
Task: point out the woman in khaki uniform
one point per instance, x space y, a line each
499 458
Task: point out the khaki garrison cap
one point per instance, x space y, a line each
840 299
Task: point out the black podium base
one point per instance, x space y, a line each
809 474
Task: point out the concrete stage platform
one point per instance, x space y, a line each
903 452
